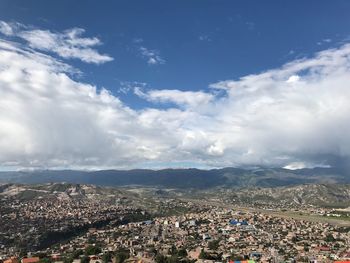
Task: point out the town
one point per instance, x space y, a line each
115 230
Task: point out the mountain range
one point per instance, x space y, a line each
183 178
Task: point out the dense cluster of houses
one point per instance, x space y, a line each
216 235
181 231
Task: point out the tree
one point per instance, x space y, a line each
121 256
182 253
85 259
107 257
77 253
23 253
92 250
281 251
206 255
213 245
202 255
173 259
161 258
329 238
68 260
173 250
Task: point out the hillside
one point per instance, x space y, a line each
324 195
321 195
75 192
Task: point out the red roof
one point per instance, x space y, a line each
30 260
11 260
324 248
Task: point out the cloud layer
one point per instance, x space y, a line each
296 115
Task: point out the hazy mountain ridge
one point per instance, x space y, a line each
183 178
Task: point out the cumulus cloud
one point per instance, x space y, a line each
68 44
292 114
297 115
49 120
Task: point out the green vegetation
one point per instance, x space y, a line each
85 259
121 255
210 256
213 245
172 259
176 255
329 238
92 250
45 260
107 257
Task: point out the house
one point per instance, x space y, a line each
30 260
11 260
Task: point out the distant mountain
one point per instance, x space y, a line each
331 195
183 178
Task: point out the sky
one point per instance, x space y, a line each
157 84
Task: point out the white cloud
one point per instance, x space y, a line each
6 29
152 56
308 120
325 40
204 38
68 44
293 79
130 86
295 166
302 165
48 119
181 98
137 40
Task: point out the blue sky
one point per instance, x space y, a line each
175 83
201 42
